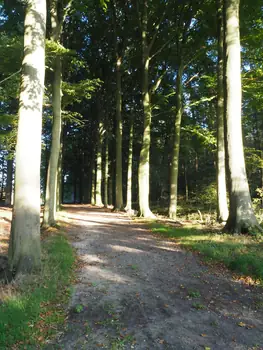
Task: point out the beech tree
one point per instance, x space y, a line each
241 215
222 207
24 246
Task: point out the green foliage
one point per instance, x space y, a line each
240 253
208 195
31 313
76 92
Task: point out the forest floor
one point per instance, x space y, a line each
136 290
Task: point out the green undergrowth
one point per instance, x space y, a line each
33 309
240 253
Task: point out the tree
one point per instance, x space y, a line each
56 14
24 246
222 207
241 215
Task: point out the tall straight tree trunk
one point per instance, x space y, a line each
186 182
241 215
110 184
93 180
9 179
176 144
59 199
222 207
24 247
52 175
144 162
118 186
106 171
98 200
129 173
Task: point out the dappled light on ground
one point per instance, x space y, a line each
140 291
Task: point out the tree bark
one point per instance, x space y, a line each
52 175
176 144
98 200
24 247
144 166
241 215
222 207
106 171
118 185
9 180
129 173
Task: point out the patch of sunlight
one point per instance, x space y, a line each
173 248
144 239
89 258
120 248
105 275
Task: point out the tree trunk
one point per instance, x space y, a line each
93 181
222 208
9 180
59 199
176 145
118 186
241 216
144 162
98 200
52 175
51 190
106 171
186 182
110 185
24 247
129 173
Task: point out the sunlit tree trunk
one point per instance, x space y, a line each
118 186
129 173
241 216
222 207
24 246
59 199
106 171
93 185
9 179
52 175
144 162
98 200
176 144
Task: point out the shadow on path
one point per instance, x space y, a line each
136 291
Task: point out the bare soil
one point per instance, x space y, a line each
138 291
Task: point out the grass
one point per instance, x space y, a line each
35 309
241 253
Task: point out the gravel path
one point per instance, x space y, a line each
136 291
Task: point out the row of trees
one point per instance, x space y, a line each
128 85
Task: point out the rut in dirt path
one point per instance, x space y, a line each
136 291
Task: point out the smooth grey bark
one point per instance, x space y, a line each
52 174
241 215
222 206
176 144
59 199
144 162
98 185
24 247
118 185
106 170
129 172
9 180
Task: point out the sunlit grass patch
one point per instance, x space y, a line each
33 311
240 253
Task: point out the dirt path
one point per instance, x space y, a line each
136 291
